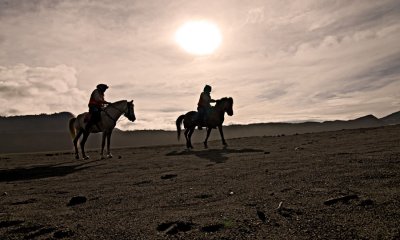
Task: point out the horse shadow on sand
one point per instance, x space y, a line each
42 171
214 155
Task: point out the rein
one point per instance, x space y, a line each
108 115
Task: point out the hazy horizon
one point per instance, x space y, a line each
281 61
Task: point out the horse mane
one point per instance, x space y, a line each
224 99
117 102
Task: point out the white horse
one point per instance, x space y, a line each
109 118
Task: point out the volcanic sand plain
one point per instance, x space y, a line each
329 185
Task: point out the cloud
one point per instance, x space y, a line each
35 90
279 60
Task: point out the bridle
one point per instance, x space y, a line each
119 110
225 105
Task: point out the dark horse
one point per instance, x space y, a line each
215 119
109 118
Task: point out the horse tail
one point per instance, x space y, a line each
178 125
71 127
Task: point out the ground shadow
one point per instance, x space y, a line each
42 171
214 155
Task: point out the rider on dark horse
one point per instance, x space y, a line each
204 106
96 104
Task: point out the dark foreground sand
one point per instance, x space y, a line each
331 185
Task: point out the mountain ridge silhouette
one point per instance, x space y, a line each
49 132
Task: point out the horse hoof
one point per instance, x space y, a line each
102 157
85 157
109 155
77 157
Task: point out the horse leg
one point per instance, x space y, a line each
85 137
187 138
190 136
222 135
103 142
208 135
109 155
76 143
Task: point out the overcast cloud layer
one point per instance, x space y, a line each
279 60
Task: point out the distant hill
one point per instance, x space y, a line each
35 123
41 133
35 133
392 119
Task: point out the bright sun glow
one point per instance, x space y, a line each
198 37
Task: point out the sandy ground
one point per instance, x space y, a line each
331 185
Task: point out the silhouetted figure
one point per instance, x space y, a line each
215 119
204 106
96 103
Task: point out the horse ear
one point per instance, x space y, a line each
131 101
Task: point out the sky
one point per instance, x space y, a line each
279 60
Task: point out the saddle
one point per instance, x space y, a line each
87 117
201 120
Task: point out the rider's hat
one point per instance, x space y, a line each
207 88
102 87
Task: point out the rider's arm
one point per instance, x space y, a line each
212 100
104 102
99 98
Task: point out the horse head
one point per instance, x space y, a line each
130 112
226 104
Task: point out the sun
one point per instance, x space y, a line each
198 37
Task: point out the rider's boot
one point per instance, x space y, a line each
202 124
200 121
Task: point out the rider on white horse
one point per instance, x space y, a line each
96 104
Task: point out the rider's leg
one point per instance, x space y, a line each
200 117
205 114
94 118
